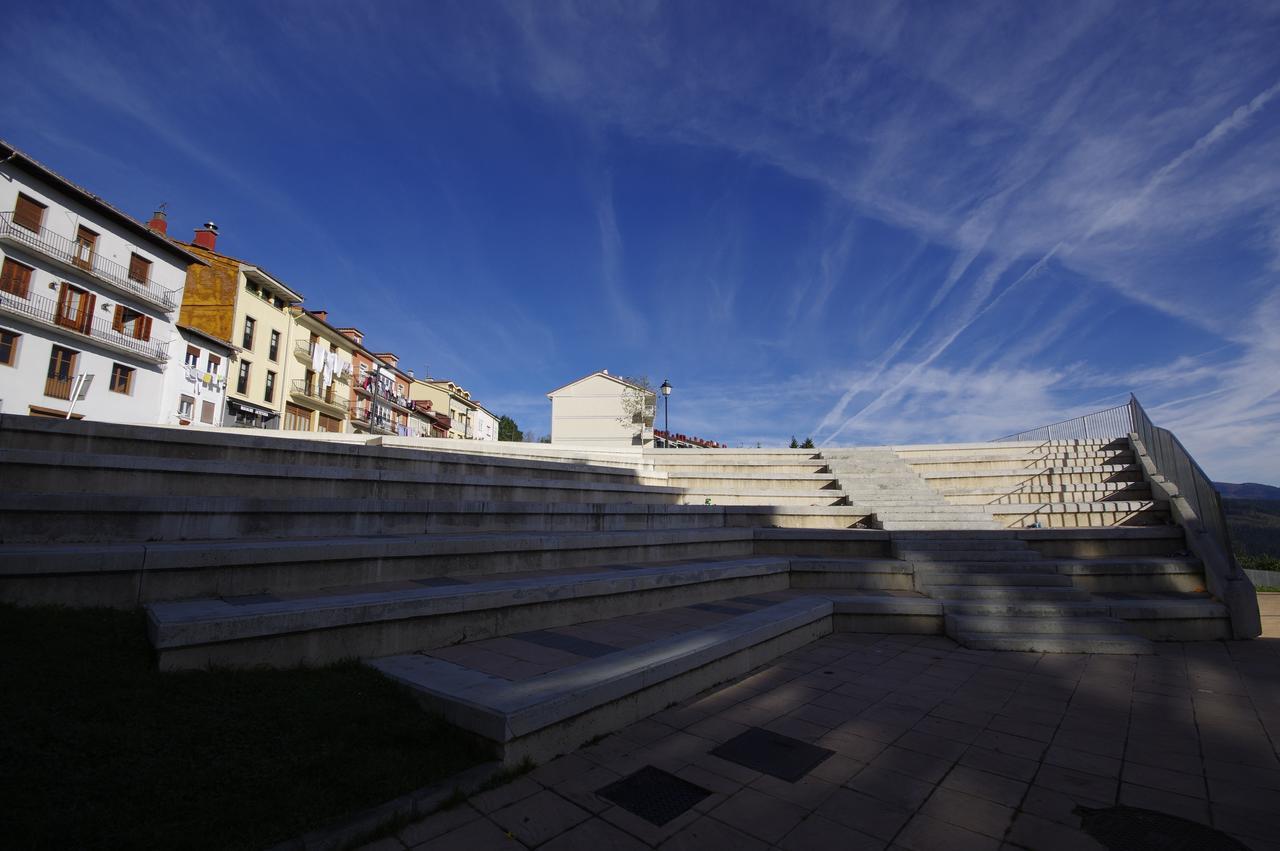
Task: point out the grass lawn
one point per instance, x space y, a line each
100 750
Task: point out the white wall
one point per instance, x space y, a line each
590 413
183 381
486 425
22 385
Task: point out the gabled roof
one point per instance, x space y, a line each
604 373
212 338
10 154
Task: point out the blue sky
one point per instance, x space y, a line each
868 223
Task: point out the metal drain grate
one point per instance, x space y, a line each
1134 829
772 753
655 795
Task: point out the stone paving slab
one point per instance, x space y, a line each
937 746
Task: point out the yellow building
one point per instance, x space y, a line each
237 301
318 370
448 398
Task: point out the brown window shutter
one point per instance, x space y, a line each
117 321
86 321
139 269
15 278
29 213
146 331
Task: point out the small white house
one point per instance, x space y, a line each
604 411
485 425
196 379
88 300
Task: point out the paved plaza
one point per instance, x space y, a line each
934 747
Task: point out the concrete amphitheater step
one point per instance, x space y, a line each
554 712
388 618
80 517
127 575
989 625
1028 578
970 554
1008 592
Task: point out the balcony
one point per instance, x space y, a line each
58 388
374 390
375 420
44 311
302 351
71 256
313 393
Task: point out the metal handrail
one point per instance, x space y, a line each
65 250
46 310
1110 422
1175 463
316 392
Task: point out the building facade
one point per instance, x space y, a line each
318 375
88 300
196 378
234 300
452 400
486 424
602 410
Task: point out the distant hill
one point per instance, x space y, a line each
1248 490
1254 525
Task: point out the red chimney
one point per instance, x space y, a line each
207 236
354 334
388 357
159 220
322 315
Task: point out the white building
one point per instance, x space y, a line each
485 424
602 410
88 299
196 378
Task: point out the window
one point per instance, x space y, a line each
248 331
62 372
186 408
242 382
331 424
86 245
139 269
296 418
206 413
273 350
269 394
193 356
75 308
121 378
213 364
15 278
8 347
28 213
309 383
133 324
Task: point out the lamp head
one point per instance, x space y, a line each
665 388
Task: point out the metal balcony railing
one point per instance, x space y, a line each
45 310
375 418
374 389
313 390
72 254
58 388
1112 422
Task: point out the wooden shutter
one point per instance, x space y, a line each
139 269
65 297
142 327
117 321
29 213
86 319
15 278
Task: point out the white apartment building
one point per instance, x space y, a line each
485 426
196 378
88 300
602 410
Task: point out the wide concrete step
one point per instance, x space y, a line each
367 621
1043 594
1056 643
33 471
964 555
1075 474
711 465
940 579
79 517
995 625
925 525
302 449
132 574
753 482
557 711
728 496
970 543
980 462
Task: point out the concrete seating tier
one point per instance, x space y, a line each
86 518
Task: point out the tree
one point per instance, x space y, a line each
808 443
508 430
639 401
794 445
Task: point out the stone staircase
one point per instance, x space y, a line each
901 498
542 596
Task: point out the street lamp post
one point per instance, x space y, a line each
666 403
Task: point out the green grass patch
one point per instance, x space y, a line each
99 750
